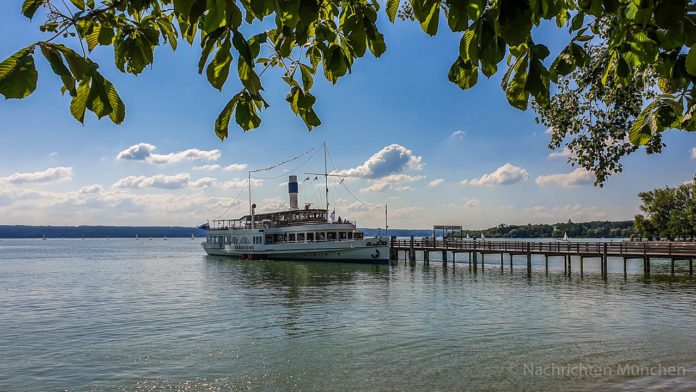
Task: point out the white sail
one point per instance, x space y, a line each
565 236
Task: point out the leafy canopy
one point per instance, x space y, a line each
668 212
312 36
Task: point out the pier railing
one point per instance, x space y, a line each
588 248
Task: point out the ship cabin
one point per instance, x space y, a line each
283 227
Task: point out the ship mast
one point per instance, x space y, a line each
326 184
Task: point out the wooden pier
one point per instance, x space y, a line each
625 250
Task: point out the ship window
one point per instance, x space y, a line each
321 236
331 236
291 237
300 237
342 235
310 237
269 238
350 235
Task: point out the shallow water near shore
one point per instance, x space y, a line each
122 314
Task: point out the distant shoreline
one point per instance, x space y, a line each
595 229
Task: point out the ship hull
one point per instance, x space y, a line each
343 252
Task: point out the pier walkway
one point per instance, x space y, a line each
643 250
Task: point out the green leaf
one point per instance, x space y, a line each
463 74
169 31
691 61
644 127
219 68
515 91
515 21
93 38
29 7
468 47
215 16
392 7
56 60
245 115
307 78
248 76
97 99
79 4
223 120
18 74
428 14
79 101
118 108
458 15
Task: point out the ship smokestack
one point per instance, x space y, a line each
292 190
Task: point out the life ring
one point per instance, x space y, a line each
376 255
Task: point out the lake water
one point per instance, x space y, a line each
122 314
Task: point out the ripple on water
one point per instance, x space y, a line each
142 315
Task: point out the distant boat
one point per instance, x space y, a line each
44 237
467 236
192 237
107 237
150 238
165 237
483 237
565 236
136 237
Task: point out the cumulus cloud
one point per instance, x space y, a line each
472 203
235 167
53 154
458 135
177 181
693 153
577 177
143 152
402 211
241 183
391 182
391 159
549 130
505 175
436 182
49 175
207 167
561 154
203 182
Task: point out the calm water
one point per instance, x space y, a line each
122 314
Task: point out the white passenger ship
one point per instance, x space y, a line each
296 234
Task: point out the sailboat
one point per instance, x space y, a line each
44 237
483 237
165 237
565 236
192 237
136 236
467 236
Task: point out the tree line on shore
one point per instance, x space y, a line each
595 229
668 213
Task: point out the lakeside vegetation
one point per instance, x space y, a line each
668 212
595 229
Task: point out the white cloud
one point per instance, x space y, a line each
143 152
577 177
241 183
207 167
49 175
549 130
458 135
472 203
561 154
203 182
272 204
53 154
235 166
391 182
505 175
391 159
177 181
693 153
436 182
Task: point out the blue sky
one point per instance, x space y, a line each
409 138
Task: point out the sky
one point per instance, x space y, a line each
397 133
